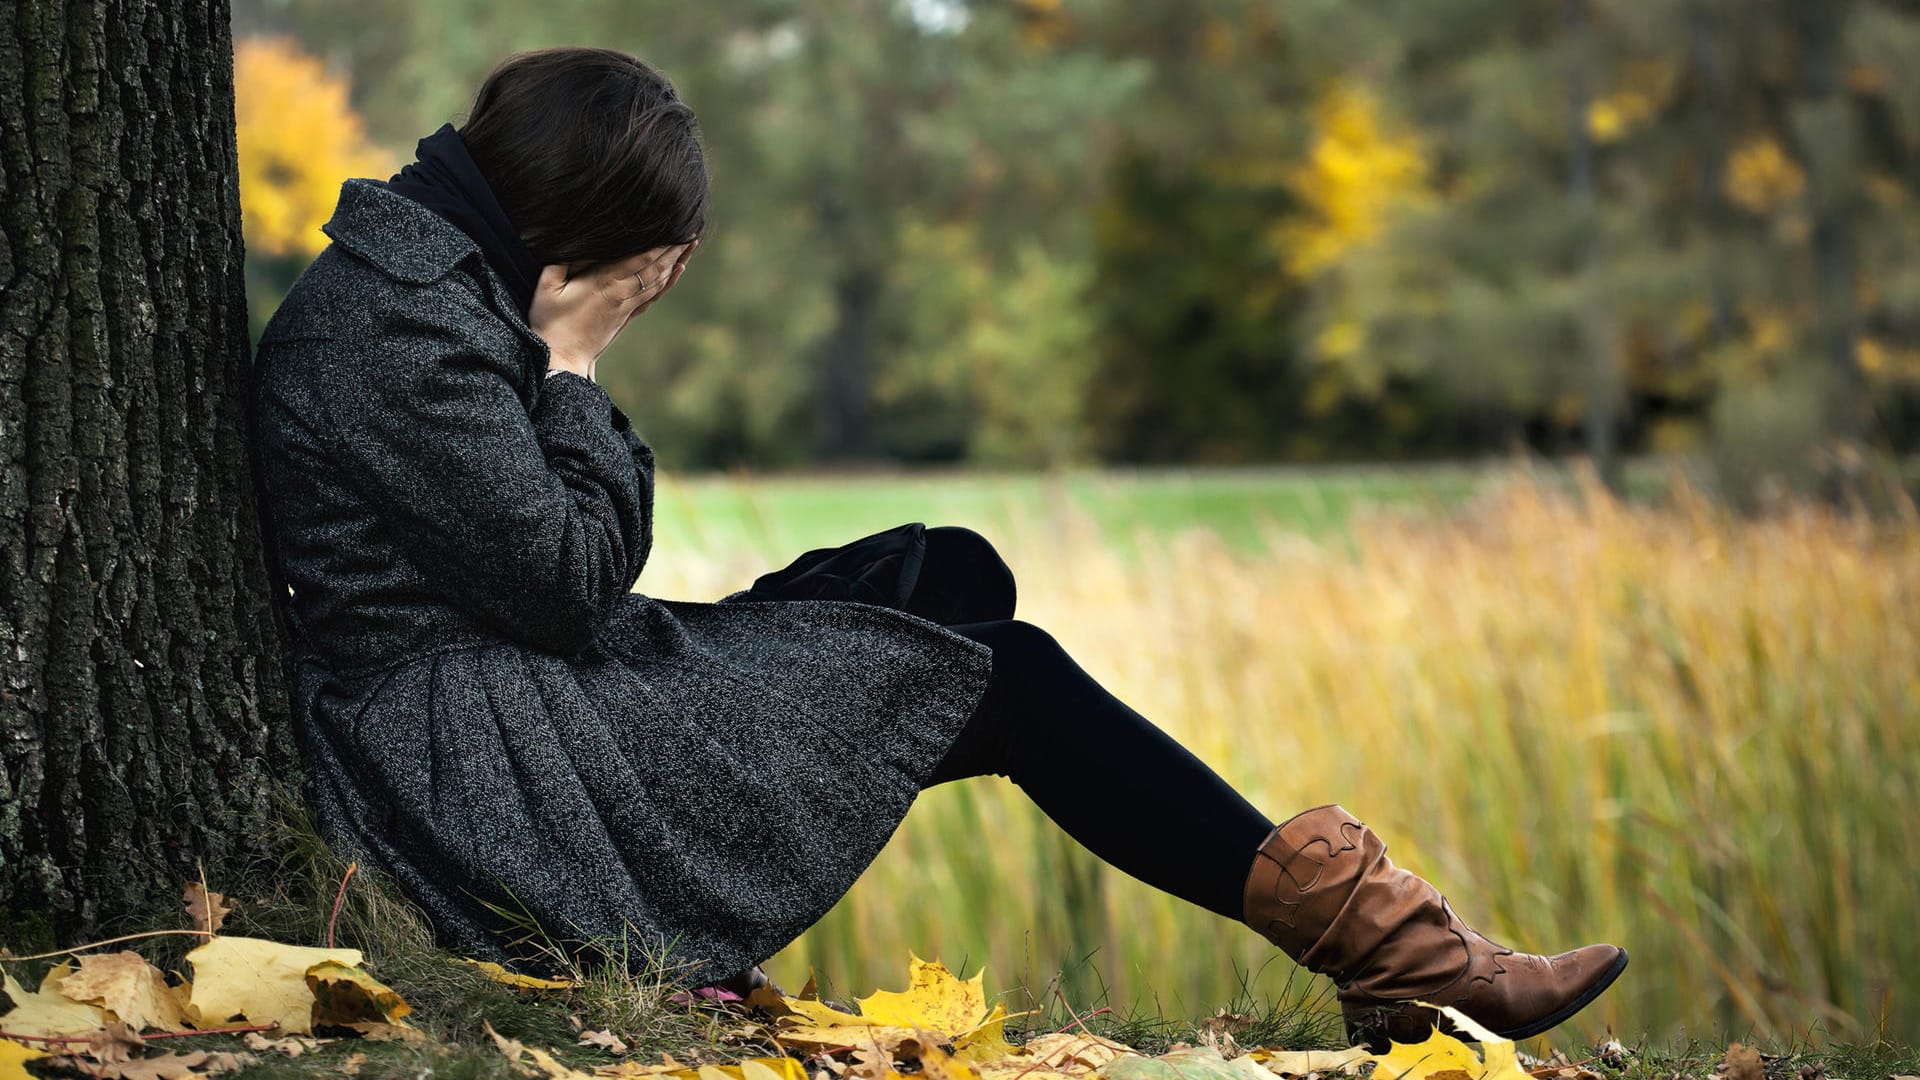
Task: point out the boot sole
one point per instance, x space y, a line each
1585 999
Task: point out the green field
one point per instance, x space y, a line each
1653 722
777 515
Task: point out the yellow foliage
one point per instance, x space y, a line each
1761 177
299 138
263 981
47 1011
934 1001
136 991
13 1059
1356 171
1612 117
519 982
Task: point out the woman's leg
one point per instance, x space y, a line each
1105 774
1319 885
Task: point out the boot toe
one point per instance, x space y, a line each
1540 992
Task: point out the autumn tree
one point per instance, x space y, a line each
143 718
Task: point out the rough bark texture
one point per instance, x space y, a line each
143 718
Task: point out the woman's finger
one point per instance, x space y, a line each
656 276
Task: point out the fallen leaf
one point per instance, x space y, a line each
1305 1062
519 982
765 1068
380 1031
115 1042
955 1009
13 1059
292 1046
207 909
606 1040
1070 1052
343 994
1741 1063
351 1066
47 1011
160 1066
1440 1054
1189 1063
134 990
263 981
543 1062
934 999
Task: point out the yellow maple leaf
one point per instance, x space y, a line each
13 1057
935 1001
48 1011
262 981
123 982
1441 1053
518 982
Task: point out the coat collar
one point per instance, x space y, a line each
411 243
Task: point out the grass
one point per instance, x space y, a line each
291 897
1654 723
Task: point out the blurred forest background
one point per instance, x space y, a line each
1051 243
1034 232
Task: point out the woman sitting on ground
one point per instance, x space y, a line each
491 716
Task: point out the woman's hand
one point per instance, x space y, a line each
579 315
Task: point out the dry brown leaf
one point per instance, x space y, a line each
134 990
606 1040
351 1066
375 1031
1071 1052
292 1046
667 1066
1741 1063
543 1062
344 994
206 908
159 1066
115 1042
48 1011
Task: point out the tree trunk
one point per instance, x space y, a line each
143 704
1825 124
1593 324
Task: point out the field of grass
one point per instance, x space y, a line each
1653 724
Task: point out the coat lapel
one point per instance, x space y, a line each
411 243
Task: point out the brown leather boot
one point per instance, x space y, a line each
1323 890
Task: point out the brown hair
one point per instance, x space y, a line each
591 153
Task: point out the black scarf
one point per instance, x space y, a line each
445 180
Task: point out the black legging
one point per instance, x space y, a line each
1150 808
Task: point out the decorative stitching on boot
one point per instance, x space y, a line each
1290 909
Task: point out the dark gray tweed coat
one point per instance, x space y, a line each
485 710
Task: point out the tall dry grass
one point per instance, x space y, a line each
1686 732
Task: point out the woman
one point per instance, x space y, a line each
489 714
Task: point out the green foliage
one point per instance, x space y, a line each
1032 233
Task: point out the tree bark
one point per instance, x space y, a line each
143 703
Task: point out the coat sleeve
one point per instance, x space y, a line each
535 522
